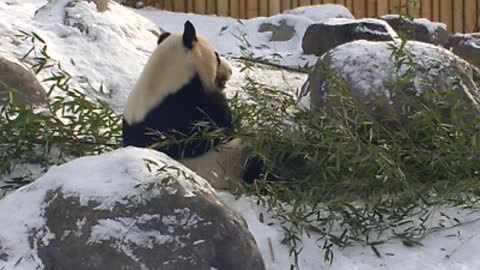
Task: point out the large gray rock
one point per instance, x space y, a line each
321 37
369 71
128 209
280 32
419 29
16 77
466 46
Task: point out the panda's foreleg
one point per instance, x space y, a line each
221 167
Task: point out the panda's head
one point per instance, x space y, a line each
176 60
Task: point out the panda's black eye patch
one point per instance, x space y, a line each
162 37
218 58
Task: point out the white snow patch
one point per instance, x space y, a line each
470 40
106 179
342 21
114 53
219 29
449 249
125 231
352 61
432 27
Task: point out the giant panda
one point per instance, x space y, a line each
181 84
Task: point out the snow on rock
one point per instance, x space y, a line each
466 46
111 48
113 52
453 248
288 82
220 29
108 48
369 71
114 212
340 31
14 75
419 29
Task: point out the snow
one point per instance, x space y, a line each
432 27
218 29
341 21
449 249
106 179
119 41
112 52
109 178
121 230
471 40
361 52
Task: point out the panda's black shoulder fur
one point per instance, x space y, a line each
176 116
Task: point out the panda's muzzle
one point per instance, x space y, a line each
221 82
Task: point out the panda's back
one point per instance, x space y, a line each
176 116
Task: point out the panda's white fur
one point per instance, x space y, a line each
187 63
221 166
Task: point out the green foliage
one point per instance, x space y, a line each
351 177
343 174
70 124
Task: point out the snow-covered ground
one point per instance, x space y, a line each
113 51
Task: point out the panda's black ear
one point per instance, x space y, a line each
189 35
162 37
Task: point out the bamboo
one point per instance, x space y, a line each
394 6
414 8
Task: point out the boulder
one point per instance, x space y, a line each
22 81
369 71
128 209
466 46
280 32
419 29
321 37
